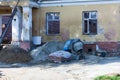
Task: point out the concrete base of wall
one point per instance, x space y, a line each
25 45
17 43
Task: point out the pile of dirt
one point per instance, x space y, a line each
42 53
14 54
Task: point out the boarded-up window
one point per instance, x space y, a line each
53 23
90 22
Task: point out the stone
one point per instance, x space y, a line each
60 56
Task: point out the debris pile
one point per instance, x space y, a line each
42 53
56 51
60 56
14 54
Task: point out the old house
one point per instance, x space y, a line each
94 22
20 31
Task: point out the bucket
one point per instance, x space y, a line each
36 40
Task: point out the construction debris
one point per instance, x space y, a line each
60 56
14 54
42 53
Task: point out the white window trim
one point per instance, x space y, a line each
47 27
83 19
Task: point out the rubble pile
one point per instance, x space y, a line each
14 54
60 56
42 53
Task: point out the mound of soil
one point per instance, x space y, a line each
14 54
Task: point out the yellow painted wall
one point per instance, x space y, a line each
71 22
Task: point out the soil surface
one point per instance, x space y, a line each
86 69
14 54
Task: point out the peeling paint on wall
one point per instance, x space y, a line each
27 24
26 16
100 30
110 34
71 22
65 34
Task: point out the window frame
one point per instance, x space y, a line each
47 22
88 19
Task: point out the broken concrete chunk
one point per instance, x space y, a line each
60 56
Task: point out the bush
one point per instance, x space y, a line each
107 77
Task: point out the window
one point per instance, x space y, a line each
90 22
53 23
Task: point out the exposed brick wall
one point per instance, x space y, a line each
109 46
89 48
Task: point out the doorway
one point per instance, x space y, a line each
8 36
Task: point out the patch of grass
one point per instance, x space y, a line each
107 77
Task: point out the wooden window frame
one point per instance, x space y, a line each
89 17
52 20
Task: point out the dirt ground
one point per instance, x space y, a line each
74 70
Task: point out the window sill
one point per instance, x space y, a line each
52 34
89 34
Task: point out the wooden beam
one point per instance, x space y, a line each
5 7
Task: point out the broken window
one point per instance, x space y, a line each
53 23
90 22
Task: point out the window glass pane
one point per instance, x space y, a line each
85 26
53 23
86 15
54 27
93 15
93 26
56 16
50 16
90 22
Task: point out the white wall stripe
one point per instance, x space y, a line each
67 3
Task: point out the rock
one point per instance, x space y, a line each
60 56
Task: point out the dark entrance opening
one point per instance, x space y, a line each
90 50
8 37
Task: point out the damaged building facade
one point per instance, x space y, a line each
20 31
96 23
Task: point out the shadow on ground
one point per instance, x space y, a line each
91 60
